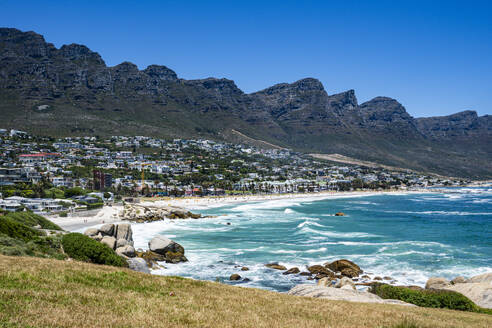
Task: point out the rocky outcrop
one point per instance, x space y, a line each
275 266
479 292
117 237
486 277
339 294
437 283
235 277
145 213
172 251
138 264
477 288
345 267
343 282
293 270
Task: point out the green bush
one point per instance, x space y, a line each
83 248
49 247
428 298
14 229
30 219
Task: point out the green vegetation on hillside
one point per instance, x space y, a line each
428 298
46 293
18 238
83 248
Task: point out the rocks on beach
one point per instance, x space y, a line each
117 237
172 251
147 213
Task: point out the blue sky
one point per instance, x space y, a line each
435 57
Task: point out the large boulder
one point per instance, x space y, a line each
110 241
126 251
324 282
320 271
122 242
275 266
340 294
458 280
479 292
91 232
162 245
138 264
107 229
293 270
345 282
486 277
124 231
345 267
235 276
437 283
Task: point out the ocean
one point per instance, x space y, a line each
408 237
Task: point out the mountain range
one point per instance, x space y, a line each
71 91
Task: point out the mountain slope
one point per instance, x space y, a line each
71 91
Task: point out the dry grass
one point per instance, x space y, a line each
50 293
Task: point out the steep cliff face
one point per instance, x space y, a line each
70 91
462 124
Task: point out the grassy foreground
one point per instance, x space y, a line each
36 292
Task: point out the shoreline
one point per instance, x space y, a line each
110 214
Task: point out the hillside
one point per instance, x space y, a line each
38 292
71 91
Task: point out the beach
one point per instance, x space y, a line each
110 214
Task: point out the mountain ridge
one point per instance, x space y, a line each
71 91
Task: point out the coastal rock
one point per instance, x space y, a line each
345 267
126 251
107 229
320 271
91 232
458 280
151 258
138 264
486 277
162 245
437 283
479 292
244 269
293 270
124 231
339 214
121 243
110 241
339 294
304 273
275 266
345 282
175 257
235 277
324 282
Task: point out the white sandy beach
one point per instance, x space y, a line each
109 214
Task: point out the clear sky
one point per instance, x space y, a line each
435 57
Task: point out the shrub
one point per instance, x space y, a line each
30 219
17 230
39 246
83 248
428 298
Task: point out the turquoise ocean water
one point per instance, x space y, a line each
407 237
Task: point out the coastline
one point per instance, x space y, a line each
110 214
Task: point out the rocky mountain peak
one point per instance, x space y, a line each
342 102
160 72
78 52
